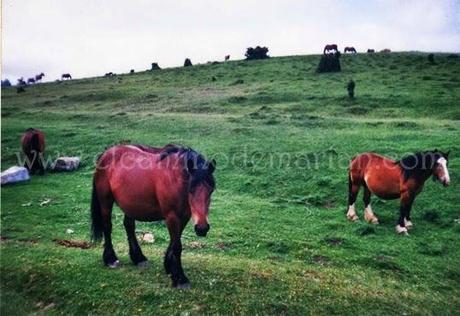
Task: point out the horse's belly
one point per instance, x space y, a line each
384 184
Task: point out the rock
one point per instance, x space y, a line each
65 164
148 238
14 174
69 231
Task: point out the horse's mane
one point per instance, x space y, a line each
197 165
419 164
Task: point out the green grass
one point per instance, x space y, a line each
279 242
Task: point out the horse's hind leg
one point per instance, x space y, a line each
353 190
109 256
369 215
135 252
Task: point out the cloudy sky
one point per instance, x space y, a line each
92 37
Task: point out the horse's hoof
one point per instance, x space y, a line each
184 286
353 217
114 264
143 264
408 224
402 230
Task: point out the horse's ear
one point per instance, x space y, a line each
212 165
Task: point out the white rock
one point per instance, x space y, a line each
148 237
14 174
69 231
65 164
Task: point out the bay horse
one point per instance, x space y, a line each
349 50
389 179
330 48
30 80
39 77
370 50
33 146
66 76
171 183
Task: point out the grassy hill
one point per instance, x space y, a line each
279 242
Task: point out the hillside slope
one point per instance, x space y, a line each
282 136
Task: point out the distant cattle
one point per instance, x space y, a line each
350 50
330 48
39 77
66 76
110 74
227 57
370 50
386 50
30 80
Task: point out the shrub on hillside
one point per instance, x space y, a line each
329 63
256 53
155 66
351 89
6 83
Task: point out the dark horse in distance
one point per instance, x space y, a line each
330 48
33 146
349 50
66 76
389 179
172 183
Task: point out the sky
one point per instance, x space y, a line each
88 38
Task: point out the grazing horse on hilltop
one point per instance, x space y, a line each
386 50
39 77
330 48
389 179
66 76
33 146
172 183
30 80
370 50
349 50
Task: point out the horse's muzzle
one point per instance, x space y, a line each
201 230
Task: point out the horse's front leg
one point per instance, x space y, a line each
172 262
407 198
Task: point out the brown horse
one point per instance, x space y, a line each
39 77
172 183
349 50
330 48
33 146
389 179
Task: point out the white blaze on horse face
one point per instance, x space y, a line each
445 179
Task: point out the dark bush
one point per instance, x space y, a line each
351 88
187 62
155 66
431 58
329 63
6 83
256 53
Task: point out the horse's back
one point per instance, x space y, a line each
33 139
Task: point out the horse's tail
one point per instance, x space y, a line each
97 224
